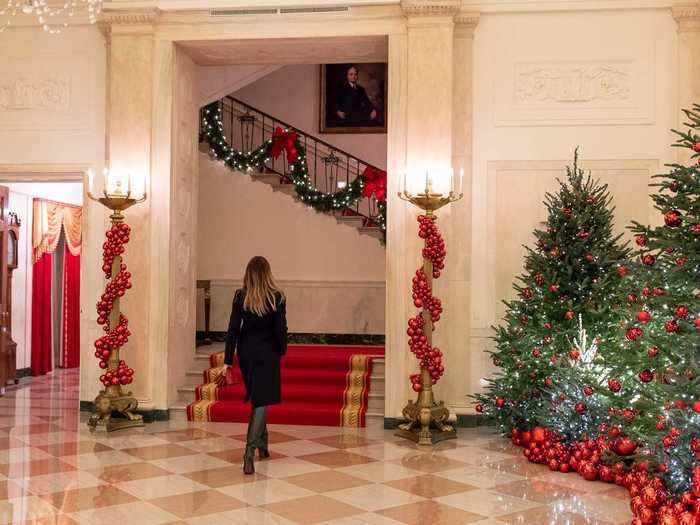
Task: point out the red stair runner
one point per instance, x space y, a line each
321 385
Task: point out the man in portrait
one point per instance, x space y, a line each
352 106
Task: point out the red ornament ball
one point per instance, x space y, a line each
648 260
671 326
645 376
588 471
643 317
614 385
634 333
682 312
580 408
539 435
640 239
621 271
696 406
624 446
652 351
500 402
673 218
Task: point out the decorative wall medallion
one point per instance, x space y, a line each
48 93
577 83
573 92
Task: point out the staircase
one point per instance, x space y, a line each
330 168
200 362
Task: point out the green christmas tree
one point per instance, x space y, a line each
658 366
574 409
575 269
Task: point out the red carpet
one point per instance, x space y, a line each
321 385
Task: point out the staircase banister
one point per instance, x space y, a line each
300 132
267 128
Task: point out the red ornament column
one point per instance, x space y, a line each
114 408
426 419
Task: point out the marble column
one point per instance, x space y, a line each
457 385
688 19
128 145
420 135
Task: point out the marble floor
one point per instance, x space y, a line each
54 471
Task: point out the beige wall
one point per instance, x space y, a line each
298 105
334 276
52 124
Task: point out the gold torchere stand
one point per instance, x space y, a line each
114 408
426 418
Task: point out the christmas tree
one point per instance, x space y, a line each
658 368
575 269
573 408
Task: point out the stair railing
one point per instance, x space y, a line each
330 168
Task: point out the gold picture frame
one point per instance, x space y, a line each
372 83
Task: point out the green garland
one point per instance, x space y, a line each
213 133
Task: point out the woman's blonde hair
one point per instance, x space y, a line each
261 290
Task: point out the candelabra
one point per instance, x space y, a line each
426 420
114 408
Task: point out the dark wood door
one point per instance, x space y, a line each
5 354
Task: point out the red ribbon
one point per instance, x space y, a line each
375 183
285 141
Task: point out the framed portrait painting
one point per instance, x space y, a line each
353 98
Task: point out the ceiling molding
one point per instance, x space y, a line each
130 17
681 12
43 172
539 6
430 7
467 19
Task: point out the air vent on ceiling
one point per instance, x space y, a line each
313 10
282 11
242 12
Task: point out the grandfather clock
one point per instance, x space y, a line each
9 235
12 251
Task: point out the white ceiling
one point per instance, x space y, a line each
335 50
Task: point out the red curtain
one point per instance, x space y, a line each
70 348
41 315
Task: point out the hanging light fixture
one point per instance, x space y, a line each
52 18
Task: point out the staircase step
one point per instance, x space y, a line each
354 221
287 413
271 179
372 231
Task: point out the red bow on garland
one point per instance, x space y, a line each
375 183
284 140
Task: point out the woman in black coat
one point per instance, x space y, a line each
257 333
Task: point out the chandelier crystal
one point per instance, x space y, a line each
51 16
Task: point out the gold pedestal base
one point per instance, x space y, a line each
115 412
426 424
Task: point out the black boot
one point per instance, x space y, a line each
256 425
264 451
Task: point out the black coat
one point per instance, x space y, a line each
259 343
356 105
